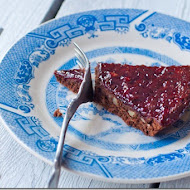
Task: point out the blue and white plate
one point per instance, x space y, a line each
98 144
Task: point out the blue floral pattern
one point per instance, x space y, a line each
155 32
164 33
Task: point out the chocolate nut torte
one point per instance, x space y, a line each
147 98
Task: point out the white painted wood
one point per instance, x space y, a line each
175 8
72 6
183 183
19 17
20 169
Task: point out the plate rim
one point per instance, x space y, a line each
92 176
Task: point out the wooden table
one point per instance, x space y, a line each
19 168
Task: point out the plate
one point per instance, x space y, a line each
98 144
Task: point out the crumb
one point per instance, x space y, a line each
57 113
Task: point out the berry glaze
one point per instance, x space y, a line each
162 93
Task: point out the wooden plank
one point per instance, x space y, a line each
174 8
53 10
18 168
179 184
72 6
19 17
171 7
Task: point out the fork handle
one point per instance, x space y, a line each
54 180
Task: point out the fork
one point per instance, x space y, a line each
85 94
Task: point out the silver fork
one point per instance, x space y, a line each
85 94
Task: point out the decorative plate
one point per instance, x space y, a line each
98 144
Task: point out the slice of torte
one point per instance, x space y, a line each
147 98
72 79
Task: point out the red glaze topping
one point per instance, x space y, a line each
77 74
162 93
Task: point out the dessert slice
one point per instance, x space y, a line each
72 79
147 98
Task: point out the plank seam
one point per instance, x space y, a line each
52 12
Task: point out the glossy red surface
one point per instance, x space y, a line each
162 93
